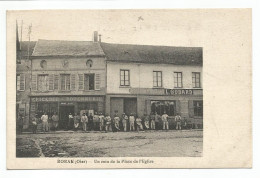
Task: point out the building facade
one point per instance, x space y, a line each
91 76
143 79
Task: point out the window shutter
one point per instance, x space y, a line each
56 82
22 82
34 82
73 82
51 82
178 107
97 81
81 82
191 109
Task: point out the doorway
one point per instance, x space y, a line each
130 106
64 116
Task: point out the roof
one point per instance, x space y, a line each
153 54
67 48
24 47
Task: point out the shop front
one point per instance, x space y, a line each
64 105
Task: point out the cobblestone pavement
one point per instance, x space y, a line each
185 143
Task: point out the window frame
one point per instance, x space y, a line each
47 82
94 83
177 82
124 78
195 78
65 74
18 82
157 81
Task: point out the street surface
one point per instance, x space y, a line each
185 143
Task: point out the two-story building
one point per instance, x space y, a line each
142 79
67 77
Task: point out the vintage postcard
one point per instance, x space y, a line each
165 88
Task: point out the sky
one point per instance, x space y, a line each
151 27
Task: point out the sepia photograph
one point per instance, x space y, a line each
129 88
106 96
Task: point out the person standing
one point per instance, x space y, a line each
116 122
70 123
20 123
178 121
101 121
108 122
165 121
157 119
90 122
45 124
124 121
55 121
146 121
84 120
132 122
96 121
34 124
152 117
76 121
139 124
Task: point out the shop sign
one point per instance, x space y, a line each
178 91
66 103
65 99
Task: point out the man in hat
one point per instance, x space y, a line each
157 120
84 121
165 121
152 117
34 123
146 121
76 121
132 122
124 121
101 121
90 122
55 121
45 123
178 121
108 122
139 123
116 122
96 121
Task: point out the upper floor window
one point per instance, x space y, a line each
20 82
43 64
196 79
157 78
89 81
65 82
43 83
89 63
177 79
124 77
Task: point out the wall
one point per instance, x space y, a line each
75 66
141 75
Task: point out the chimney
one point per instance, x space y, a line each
95 36
99 39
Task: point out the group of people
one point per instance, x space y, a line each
98 121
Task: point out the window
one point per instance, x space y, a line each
43 64
164 106
177 79
65 82
89 81
195 79
198 108
124 78
157 78
43 83
89 63
20 82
